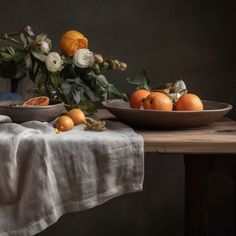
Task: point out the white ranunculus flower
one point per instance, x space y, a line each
83 58
44 47
54 62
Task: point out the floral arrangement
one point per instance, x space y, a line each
75 75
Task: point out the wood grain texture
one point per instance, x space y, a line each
217 138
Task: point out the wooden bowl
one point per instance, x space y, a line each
154 119
21 114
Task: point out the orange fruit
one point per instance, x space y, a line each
64 123
189 102
37 101
158 101
77 116
71 41
137 97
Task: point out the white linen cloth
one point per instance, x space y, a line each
44 175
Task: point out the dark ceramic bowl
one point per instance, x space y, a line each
154 119
21 114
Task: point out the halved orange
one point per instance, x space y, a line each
37 101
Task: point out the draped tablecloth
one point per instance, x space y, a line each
44 175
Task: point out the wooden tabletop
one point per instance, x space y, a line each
217 138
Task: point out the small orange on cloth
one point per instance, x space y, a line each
137 98
64 123
77 116
37 101
158 101
71 41
189 102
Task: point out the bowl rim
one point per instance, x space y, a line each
7 106
227 107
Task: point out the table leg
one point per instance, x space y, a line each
234 179
196 169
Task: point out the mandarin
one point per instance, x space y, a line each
189 102
158 101
64 123
77 116
137 98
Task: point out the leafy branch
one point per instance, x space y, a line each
56 75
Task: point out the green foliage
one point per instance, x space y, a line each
141 80
77 87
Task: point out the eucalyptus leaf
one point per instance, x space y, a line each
55 79
39 56
78 81
19 58
76 96
14 40
113 92
28 61
66 88
102 80
11 50
90 93
141 80
29 39
5 56
23 39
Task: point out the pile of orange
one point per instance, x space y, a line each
70 119
144 99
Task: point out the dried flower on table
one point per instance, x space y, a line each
95 125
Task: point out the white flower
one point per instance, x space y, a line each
43 43
179 86
83 58
44 47
54 62
178 90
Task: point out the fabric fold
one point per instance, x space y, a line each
45 175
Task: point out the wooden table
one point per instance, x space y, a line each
204 149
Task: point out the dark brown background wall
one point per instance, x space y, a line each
192 40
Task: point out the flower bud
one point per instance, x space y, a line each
44 47
29 31
123 66
116 64
98 58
